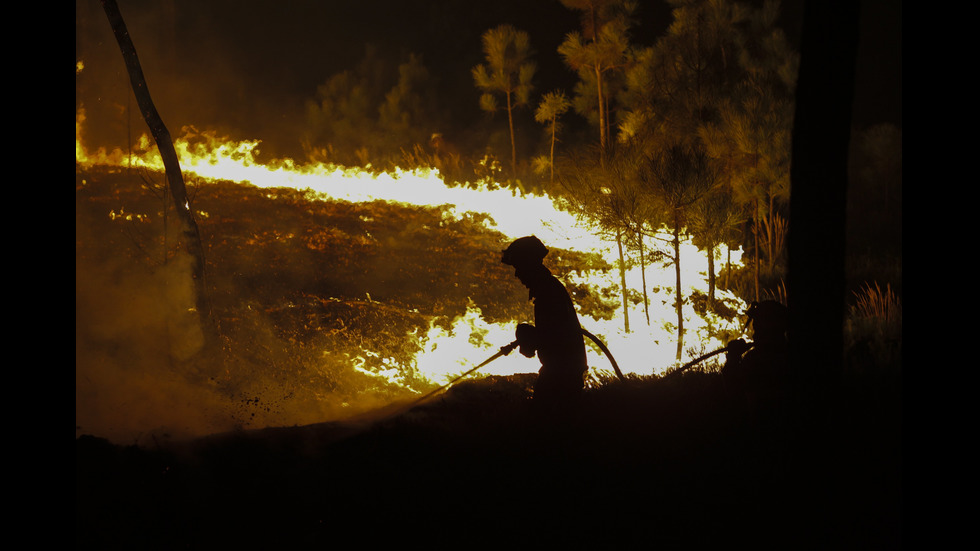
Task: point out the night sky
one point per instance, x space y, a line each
246 67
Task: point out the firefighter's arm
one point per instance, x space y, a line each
527 339
736 348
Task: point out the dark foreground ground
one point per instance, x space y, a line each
682 463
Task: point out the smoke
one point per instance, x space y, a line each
132 331
140 376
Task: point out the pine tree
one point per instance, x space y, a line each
673 91
751 136
508 72
553 105
602 46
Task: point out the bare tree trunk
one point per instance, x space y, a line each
554 131
711 277
755 256
678 296
821 137
602 110
513 144
192 236
622 277
643 277
771 233
728 266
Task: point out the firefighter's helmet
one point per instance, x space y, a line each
523 251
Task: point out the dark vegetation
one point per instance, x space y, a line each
684 463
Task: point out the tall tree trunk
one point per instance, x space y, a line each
643 277
622 278
755 253
608 110
175 179
593 14
728 267
513 144
821 136
602 110
711 278
678 296
554 131
771 233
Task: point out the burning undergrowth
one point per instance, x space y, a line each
324 309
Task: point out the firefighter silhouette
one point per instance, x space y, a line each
761 367
556 336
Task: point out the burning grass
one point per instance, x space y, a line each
323 307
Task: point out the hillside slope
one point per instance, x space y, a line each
683 463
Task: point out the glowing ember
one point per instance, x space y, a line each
647 349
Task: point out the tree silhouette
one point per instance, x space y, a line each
721 80
409 112
602 46
821 135
751 136
603 191
675 179
175 178
508 72
715 220
372 112
553 105
672 92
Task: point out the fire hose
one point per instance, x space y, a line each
605 351
504 350
507 349
695 362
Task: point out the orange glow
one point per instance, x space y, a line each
646 350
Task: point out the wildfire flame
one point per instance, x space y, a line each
647 349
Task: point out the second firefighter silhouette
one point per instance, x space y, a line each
761 368
556 336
